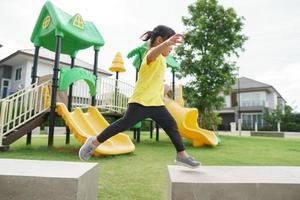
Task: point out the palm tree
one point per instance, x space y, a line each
172 63
139 53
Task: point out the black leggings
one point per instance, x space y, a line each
137 112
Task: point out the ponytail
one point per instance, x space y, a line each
146 36
161 30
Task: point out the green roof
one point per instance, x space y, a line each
76 33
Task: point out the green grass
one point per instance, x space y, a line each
143 173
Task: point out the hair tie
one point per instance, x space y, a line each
151 34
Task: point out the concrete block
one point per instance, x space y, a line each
234 183
47 180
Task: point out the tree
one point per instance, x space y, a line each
212 38
138 53
275 116
290 121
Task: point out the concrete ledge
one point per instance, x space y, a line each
47 180
267 133
234 183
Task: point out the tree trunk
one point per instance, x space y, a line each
203 119
212 121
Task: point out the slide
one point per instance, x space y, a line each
90 123
186 119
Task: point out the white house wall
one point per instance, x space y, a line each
227 99
275 100
43 68
18 84
24 61
272 100
28 74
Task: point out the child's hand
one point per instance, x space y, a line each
175 39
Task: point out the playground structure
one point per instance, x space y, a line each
30 107
91 124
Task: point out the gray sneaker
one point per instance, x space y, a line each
189 162
87 149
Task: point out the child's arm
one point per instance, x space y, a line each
155 51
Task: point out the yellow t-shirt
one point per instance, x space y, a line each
149 88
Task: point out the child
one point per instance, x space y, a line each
147 98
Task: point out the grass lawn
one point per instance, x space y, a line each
143 173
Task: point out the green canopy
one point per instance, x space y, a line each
69 76
76 33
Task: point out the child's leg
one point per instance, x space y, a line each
134 114
168 124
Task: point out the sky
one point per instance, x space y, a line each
272 52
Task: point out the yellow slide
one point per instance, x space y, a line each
91 123
186 119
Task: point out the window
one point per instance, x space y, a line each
78 21
249 120
5 87
18 74
5 83
46 22
253 99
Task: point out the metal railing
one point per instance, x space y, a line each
111 94
22 106
80 97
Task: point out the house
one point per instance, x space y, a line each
15 69
247 101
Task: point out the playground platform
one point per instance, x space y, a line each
234 183
48 180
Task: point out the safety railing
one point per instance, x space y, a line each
80 96
111 94
19 108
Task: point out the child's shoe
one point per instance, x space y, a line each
87 149
187 162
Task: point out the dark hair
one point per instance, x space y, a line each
161 30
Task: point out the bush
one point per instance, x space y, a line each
146 125
289 126
268 127
292 126
59 122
